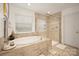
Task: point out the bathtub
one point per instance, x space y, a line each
21 42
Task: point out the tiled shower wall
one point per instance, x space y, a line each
41 30
54 26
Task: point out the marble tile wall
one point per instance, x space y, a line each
54 26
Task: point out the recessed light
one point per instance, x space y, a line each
28 4
48 12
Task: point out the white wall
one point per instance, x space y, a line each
70 22
16 10
1 21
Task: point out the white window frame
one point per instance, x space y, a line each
33 24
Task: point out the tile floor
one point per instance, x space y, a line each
62 50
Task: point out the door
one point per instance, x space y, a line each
71 30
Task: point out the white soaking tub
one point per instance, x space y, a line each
20 42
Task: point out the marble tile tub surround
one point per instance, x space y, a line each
26 34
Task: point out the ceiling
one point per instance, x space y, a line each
44 8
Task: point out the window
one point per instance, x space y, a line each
24 24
